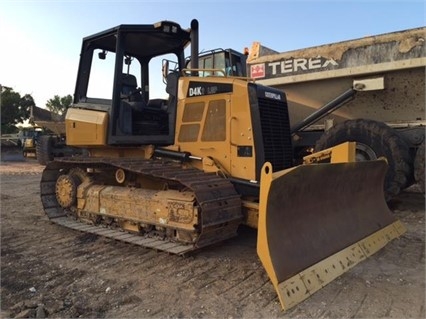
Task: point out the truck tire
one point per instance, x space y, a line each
44 149
374 140
419 167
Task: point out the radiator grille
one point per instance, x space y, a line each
275 127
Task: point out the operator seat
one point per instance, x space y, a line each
130 94
132 103
129 88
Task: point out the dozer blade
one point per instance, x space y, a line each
318 221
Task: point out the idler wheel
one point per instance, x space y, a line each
66 190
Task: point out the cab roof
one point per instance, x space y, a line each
142 40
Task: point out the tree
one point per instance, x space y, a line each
59 105
14 109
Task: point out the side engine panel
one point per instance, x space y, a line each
86 127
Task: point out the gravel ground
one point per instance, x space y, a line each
50 271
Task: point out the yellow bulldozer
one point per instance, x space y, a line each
184 172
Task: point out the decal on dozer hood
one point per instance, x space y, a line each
270 93
207 88
274 95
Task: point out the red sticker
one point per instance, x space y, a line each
257 70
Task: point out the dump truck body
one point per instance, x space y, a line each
49 120
313 76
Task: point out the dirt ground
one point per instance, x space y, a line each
50 271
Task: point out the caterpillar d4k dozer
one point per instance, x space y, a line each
184 172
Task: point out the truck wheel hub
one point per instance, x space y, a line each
364 153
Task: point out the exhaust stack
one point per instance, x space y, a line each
194 46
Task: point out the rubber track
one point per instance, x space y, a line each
219 202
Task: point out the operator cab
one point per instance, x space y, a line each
221 62
116 75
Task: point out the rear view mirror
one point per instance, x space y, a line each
128 60
165 69
102 55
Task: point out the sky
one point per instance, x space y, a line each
41 40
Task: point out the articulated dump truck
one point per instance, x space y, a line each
185 172
52 143
369 90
